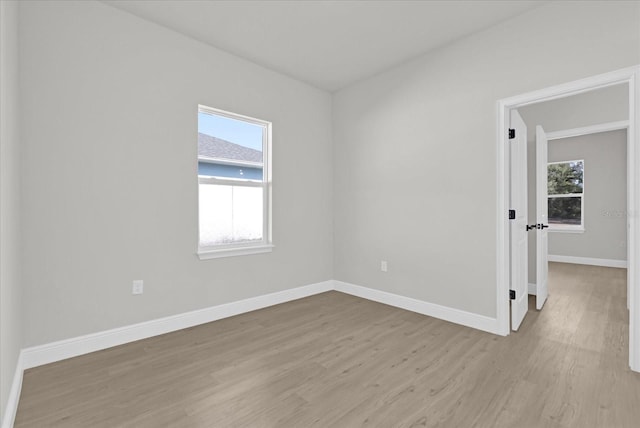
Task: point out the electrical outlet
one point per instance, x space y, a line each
383 265
138 286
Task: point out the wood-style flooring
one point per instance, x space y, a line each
334 360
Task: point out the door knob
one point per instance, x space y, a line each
542 226
531 227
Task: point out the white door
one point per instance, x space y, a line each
542 220
518 202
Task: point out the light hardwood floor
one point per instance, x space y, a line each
333 360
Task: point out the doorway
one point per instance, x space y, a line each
630 77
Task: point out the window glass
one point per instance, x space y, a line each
565 185
233 179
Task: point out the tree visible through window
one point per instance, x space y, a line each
565 185
233 177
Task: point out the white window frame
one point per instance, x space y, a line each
243 248
577 228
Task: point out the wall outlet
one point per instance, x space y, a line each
138 286
383 265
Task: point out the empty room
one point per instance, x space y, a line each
319 213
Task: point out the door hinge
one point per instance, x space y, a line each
512 294
512 214
512 133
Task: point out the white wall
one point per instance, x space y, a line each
591 108
415 158
109 105
10 288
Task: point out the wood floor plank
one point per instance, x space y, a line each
334 360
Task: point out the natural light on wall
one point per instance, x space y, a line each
234 184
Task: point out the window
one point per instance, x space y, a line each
565 185
234 184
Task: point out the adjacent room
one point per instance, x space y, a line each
319 213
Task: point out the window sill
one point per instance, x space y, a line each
206 254
567 230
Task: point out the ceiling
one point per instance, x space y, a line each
329 44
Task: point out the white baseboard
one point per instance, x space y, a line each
588 261
56 351
456 316
533 289
14 396
68 348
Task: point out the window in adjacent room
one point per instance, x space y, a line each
566 195
234 184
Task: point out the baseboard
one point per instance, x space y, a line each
588 261
14 396
456 316
56 351
68 348
533 289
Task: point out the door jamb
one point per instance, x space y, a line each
631 76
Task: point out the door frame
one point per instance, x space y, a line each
631 76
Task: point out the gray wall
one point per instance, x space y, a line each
10 285
415 152
605 198
596 107
108 101
105 93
